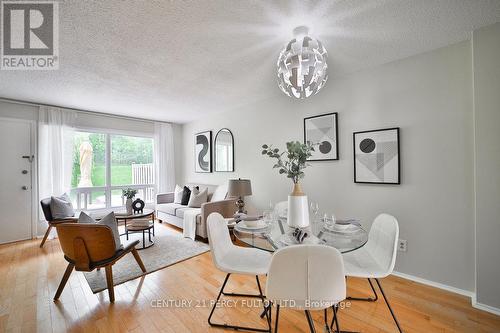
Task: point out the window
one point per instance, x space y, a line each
104 164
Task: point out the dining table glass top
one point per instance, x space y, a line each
345 237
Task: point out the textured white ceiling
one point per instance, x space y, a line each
178 60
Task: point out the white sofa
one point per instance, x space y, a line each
170 212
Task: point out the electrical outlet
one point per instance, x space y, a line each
403 245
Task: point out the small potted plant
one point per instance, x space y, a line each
292 163
129 193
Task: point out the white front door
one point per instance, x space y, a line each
15 180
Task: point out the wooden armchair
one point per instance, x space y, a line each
90 246
45 203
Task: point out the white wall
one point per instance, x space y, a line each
487 138
429 97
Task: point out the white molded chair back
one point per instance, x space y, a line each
218 238
309 277
281 208
383 241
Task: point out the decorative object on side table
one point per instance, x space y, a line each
323 131
293 167
129 193
239 188
203 152
138 206
376 156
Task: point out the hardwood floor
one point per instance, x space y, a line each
29 277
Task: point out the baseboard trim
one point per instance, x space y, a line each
446 287
485 307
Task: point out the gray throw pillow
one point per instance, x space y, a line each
196 199
61 207
108 220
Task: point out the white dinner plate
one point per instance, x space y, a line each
260 225
343 228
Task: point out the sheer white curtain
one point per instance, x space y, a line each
164 157
55 148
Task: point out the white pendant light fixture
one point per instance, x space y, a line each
302 67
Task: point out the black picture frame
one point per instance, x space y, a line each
335 124
398 156
215 150
197 167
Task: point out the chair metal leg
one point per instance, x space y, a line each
310 321
245 295
327 328
46 235
267 314
109 281
64 279
243 328
388 305
369 299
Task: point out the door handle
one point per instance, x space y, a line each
25 187
30 158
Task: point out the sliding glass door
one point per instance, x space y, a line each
104 164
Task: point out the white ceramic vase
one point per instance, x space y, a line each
128 205
298 208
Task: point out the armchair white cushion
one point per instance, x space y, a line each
234 259
230 258
377 258
312 276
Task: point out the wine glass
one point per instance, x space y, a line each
315 209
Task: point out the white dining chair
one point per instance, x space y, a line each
306 277
233 259
377 258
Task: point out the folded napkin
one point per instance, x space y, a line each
299 235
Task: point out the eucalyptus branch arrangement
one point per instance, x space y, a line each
291 162
129 193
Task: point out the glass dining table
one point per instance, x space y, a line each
345 236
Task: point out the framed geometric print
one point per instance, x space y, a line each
322 132
376 156
203 152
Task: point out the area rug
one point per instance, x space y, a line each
169 248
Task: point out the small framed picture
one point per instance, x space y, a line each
203 152
322 131
376 156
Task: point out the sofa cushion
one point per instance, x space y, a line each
185 196
61 207
180 212
108 220
197 199
169 208
219 193
178 194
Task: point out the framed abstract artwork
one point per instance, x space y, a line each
203 152
322 130
376 156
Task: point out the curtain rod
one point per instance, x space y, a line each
111 115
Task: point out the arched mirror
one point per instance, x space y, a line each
224 151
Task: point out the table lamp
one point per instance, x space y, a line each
239 188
